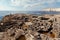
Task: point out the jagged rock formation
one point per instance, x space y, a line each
29 27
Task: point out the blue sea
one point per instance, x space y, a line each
3 13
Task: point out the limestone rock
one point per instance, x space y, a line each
29 27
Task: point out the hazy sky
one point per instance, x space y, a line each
28 5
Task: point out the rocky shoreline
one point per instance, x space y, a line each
29 27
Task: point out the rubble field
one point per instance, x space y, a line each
30 27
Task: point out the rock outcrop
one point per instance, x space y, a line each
29 27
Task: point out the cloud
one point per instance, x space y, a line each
22 2
6 8
15 2
27 4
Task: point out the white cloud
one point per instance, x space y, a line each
5 8
15 2
27 4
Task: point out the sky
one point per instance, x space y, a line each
28 5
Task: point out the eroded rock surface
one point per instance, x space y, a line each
29 27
